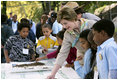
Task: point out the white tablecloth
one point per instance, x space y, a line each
63 73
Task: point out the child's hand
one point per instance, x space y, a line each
33 57
8 60
45 51
69 65
38 59
79 58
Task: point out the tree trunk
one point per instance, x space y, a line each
43 6
4 7
47 6
54 5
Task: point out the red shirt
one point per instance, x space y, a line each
71 57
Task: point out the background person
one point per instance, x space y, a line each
80 12
18 47
46 43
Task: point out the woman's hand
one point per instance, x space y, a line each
51 77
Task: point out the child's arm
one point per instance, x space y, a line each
33 57
51 50
6 56
79 58
69 65
83 70
40 58
48 56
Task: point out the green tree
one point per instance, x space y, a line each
3 10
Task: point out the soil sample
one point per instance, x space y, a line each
32 64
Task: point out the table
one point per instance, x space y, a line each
63 73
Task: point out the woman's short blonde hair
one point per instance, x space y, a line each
67 14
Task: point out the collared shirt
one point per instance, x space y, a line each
83 70
49 43
14 26
33 28
107 58
90 16
15 45
56 27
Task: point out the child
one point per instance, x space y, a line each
72 55
86 68
106 55
46 43
19 47
90 75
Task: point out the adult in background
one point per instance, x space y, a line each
10 19
80 12
63 4
56 27
49 17
43 21
6 32
68 18
33 28
14 23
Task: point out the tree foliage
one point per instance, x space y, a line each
34 9
4 3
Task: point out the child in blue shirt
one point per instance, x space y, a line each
106 55
86 68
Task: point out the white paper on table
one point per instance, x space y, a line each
31 69
70 73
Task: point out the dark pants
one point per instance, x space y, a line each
2 56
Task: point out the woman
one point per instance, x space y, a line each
68 18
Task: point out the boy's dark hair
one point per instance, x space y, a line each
4 18
24 20
47 26
84 34
60 34
105 25
23 25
